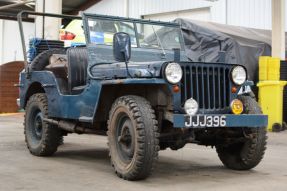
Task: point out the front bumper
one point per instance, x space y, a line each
244 120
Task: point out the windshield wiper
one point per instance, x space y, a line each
159 42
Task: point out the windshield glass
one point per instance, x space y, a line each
156 36
142 35
102 31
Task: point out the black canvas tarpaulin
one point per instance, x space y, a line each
205 40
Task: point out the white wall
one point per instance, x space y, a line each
138 8
247 13
10 41
250 13
108 7
202 14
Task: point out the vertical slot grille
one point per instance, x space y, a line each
209 85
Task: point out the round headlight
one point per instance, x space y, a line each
191 106
238 75
173 73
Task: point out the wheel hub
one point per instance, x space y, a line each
38 125
125 139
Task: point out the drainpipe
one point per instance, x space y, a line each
127 8
278 29
1 40
226 12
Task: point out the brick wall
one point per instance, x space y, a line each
9 75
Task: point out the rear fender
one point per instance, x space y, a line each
76 107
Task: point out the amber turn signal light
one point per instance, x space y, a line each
233 89
175 88
236 106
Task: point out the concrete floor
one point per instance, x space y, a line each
82 163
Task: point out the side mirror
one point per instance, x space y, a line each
122 47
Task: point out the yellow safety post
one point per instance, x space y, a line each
263 65
273 68
271 101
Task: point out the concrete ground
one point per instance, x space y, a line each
82 163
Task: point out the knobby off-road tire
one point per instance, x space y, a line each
42 60
133 137
247 155
42 139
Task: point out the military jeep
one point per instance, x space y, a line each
133 83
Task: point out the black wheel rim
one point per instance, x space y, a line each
125 138
36 125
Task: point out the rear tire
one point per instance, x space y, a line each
248 154
42 139
133 137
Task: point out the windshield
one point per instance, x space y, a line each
142 35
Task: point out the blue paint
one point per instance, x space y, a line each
79 106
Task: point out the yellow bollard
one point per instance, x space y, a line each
271 101
273 68
263 65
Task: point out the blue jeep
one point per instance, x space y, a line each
140 90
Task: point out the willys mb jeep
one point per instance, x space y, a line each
133 83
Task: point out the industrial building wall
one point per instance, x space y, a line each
247 13
250 13
10 42
140 8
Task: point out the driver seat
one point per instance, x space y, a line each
77 69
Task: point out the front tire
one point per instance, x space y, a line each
248 154
42 139
132 137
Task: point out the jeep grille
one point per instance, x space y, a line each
208 84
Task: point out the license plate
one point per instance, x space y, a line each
205 121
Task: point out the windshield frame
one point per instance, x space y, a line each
88 16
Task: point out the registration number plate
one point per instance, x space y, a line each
205 121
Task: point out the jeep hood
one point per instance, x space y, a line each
136 70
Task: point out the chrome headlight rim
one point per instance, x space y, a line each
169 77
238 81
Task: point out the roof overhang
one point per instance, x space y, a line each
10 8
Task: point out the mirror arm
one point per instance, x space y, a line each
127 67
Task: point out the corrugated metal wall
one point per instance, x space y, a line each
248 13
147 7
138 8
108 7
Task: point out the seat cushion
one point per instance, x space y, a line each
58 64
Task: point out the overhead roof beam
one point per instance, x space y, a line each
16 4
